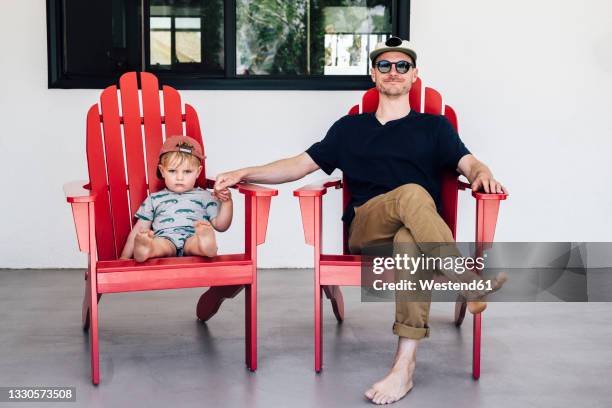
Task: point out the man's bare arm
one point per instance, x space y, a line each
277 172
479 175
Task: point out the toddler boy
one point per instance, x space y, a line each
180 219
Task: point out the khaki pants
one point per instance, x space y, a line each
405 215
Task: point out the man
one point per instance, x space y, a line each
392 161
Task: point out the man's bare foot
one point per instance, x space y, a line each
205 240
395 385
479 306
143 245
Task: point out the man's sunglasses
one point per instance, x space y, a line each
401 67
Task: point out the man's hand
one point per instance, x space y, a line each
479 175
229 179
484 180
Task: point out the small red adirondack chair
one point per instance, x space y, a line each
103 209
332 271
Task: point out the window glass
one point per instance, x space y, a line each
220 44
309 37
186 36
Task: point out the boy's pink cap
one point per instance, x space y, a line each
183 144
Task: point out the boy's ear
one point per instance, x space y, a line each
199 170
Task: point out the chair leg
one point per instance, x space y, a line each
247 327
460 307
85 309
93 339
334 294
318 330
251 327
211 300
476 350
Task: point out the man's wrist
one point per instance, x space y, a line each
243 175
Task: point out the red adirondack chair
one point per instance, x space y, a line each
332 271
103 209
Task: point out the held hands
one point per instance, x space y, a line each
225 180
223 195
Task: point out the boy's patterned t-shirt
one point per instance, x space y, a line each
167 209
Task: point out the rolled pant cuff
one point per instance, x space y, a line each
415 333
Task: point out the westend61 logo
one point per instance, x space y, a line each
411 263
454 267
501 271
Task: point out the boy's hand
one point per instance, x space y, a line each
223 195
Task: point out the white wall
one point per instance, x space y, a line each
530 80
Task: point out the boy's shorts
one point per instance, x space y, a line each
176 235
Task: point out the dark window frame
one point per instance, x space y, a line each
58 78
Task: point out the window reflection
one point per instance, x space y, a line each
309 37
186 35
161 41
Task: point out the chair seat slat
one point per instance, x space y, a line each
192 129
152 127
115 168
99 185
134 153
451 115
433 101
415 95
172 111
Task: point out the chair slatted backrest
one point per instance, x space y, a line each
432 104
124 138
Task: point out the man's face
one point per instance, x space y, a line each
393 83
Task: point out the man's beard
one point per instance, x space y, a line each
401 90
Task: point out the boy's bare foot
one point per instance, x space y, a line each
395 385
143 246
205 241
479 306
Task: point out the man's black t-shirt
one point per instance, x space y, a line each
376 158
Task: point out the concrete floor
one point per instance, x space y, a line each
155 354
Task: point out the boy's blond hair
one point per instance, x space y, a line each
175 159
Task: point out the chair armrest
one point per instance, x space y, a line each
487 209
311 198
257 209
481 195
489 196
317 189
255 190
79 192
81 199
249 189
